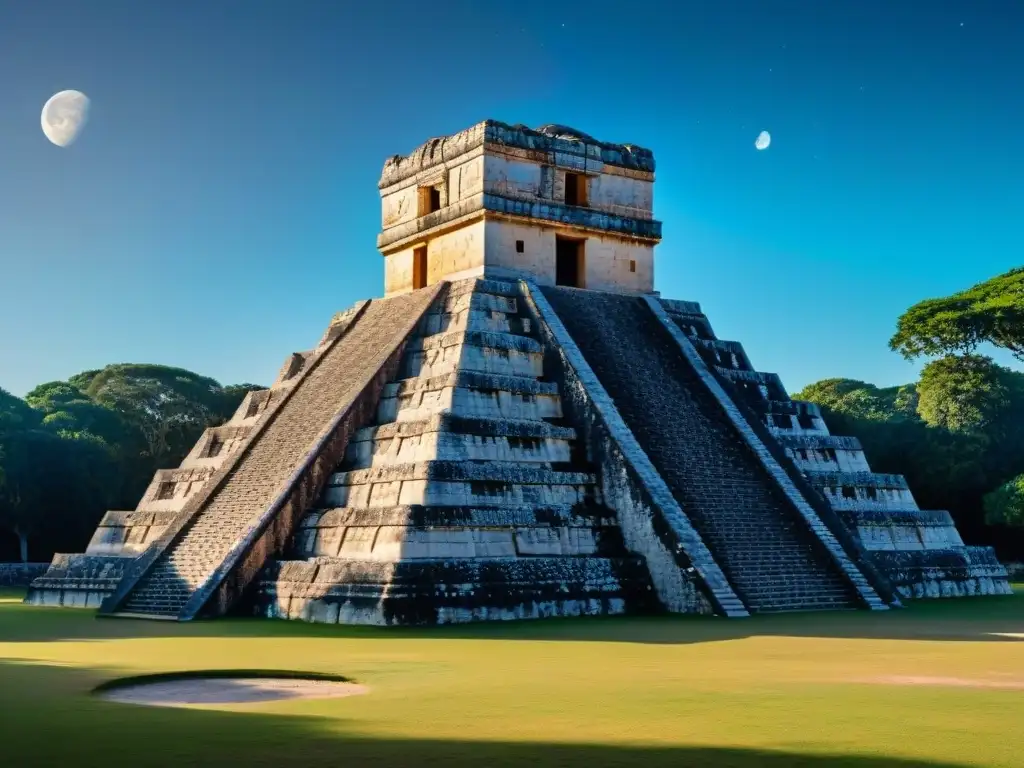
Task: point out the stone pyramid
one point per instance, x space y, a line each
521 428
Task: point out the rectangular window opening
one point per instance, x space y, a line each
429 200
520 246
569 262
419 268
575 189
632 265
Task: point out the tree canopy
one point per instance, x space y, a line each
989 312
72 449
967 393
1005 505
862 400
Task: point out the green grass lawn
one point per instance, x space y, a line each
794 690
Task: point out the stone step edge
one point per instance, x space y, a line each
465 425
442 516
483 285
509 342
824 478
462 471
487 382
926 517
836 442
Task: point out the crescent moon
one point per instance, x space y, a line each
64 114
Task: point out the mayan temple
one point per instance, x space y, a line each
522 427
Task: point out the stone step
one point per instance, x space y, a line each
458 483
171 488
400 543
498 353
793 417
484 471
767 386
579 515
452 590
469 394
215 445
454 438
494 340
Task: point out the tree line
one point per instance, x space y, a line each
957 434
72 449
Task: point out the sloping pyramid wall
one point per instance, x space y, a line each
919 552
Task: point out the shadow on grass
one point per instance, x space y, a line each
51 718
983 619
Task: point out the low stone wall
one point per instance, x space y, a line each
77 581
20 574
960 572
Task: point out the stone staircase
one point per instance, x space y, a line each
761 542
219 529
469 498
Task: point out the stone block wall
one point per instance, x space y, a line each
515 179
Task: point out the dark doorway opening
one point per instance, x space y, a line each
419 268
569 262
575 189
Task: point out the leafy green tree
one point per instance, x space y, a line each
169 407
861 400
1005 505
73 449
989 312
15 413
966 394
53 486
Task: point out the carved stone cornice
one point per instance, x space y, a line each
585 153
486 205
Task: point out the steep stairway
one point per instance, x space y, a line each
765 548
177 576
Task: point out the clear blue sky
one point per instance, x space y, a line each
221 203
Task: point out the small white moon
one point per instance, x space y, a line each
64 115
763 140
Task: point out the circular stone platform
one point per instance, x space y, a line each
215 690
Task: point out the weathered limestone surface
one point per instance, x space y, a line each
504 196
77 581
919 553
468 499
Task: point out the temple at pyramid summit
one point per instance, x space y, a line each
521 427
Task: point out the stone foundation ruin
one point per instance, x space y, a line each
521 428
